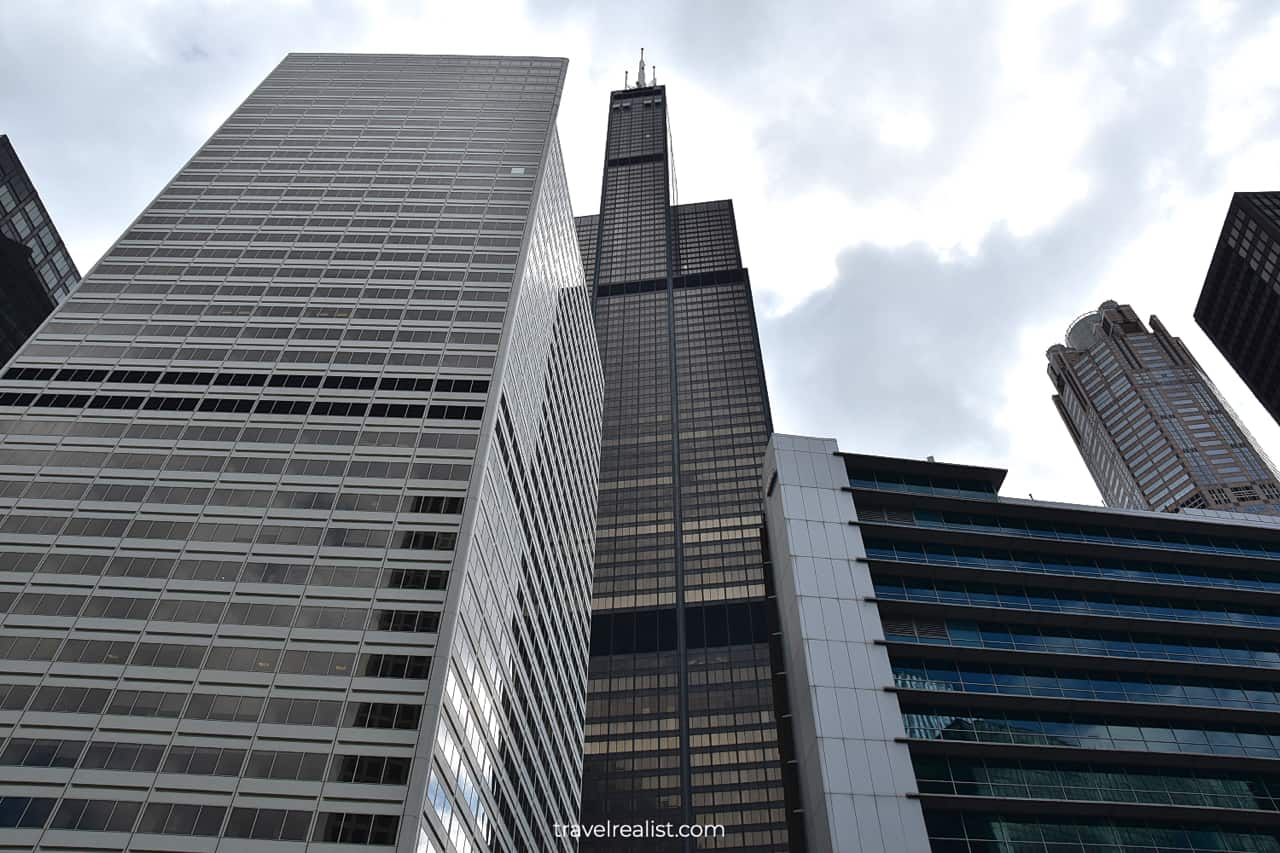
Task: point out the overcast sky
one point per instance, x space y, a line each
926 194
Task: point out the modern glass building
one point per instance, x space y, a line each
970 672
36 271
682 725
297 492
1153 430
1239 307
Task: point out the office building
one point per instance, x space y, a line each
682 725
36 271
971 673
297 491
1153 430
1239 307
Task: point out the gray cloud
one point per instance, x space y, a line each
104 102
812 69
905 352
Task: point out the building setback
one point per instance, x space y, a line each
297 492
36 271
1239 307
682 725
1153 430
972 673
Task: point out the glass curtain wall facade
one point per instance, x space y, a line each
297 492
1029 676
1239 307
681 720
36 270
1153 430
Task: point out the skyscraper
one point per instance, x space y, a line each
681 720
36 271
1239 307
1153 430
980 674
298 490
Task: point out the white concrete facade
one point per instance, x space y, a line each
855 773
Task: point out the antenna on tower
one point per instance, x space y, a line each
653 76
625 78
640 84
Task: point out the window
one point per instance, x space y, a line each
396 666
135 757
71 700
182 819
25 812
299 766
345 828
405 620
24 752
202 761
269 824
371 769
146 703
383 715
228 708
96 815
303 712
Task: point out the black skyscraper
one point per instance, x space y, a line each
681 723
36 271
1239 307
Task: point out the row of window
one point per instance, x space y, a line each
252 380
173 433
434 259
1053 640
226 708
886 481
226 571
206 761
222 658
340 295
1075 730
240 463
217 612
1052 601
198 820
1062 683
957 832
1100 533
229 531
999 559
173 496
1036 780
242 405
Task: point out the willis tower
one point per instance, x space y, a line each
682 724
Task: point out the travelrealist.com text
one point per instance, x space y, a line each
646 829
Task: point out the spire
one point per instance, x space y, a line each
640 84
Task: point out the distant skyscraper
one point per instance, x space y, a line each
1239 307
1153 430
297 493
681 720
36 271
972 673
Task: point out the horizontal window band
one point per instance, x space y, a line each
655 157
249 380
712 278
326 408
